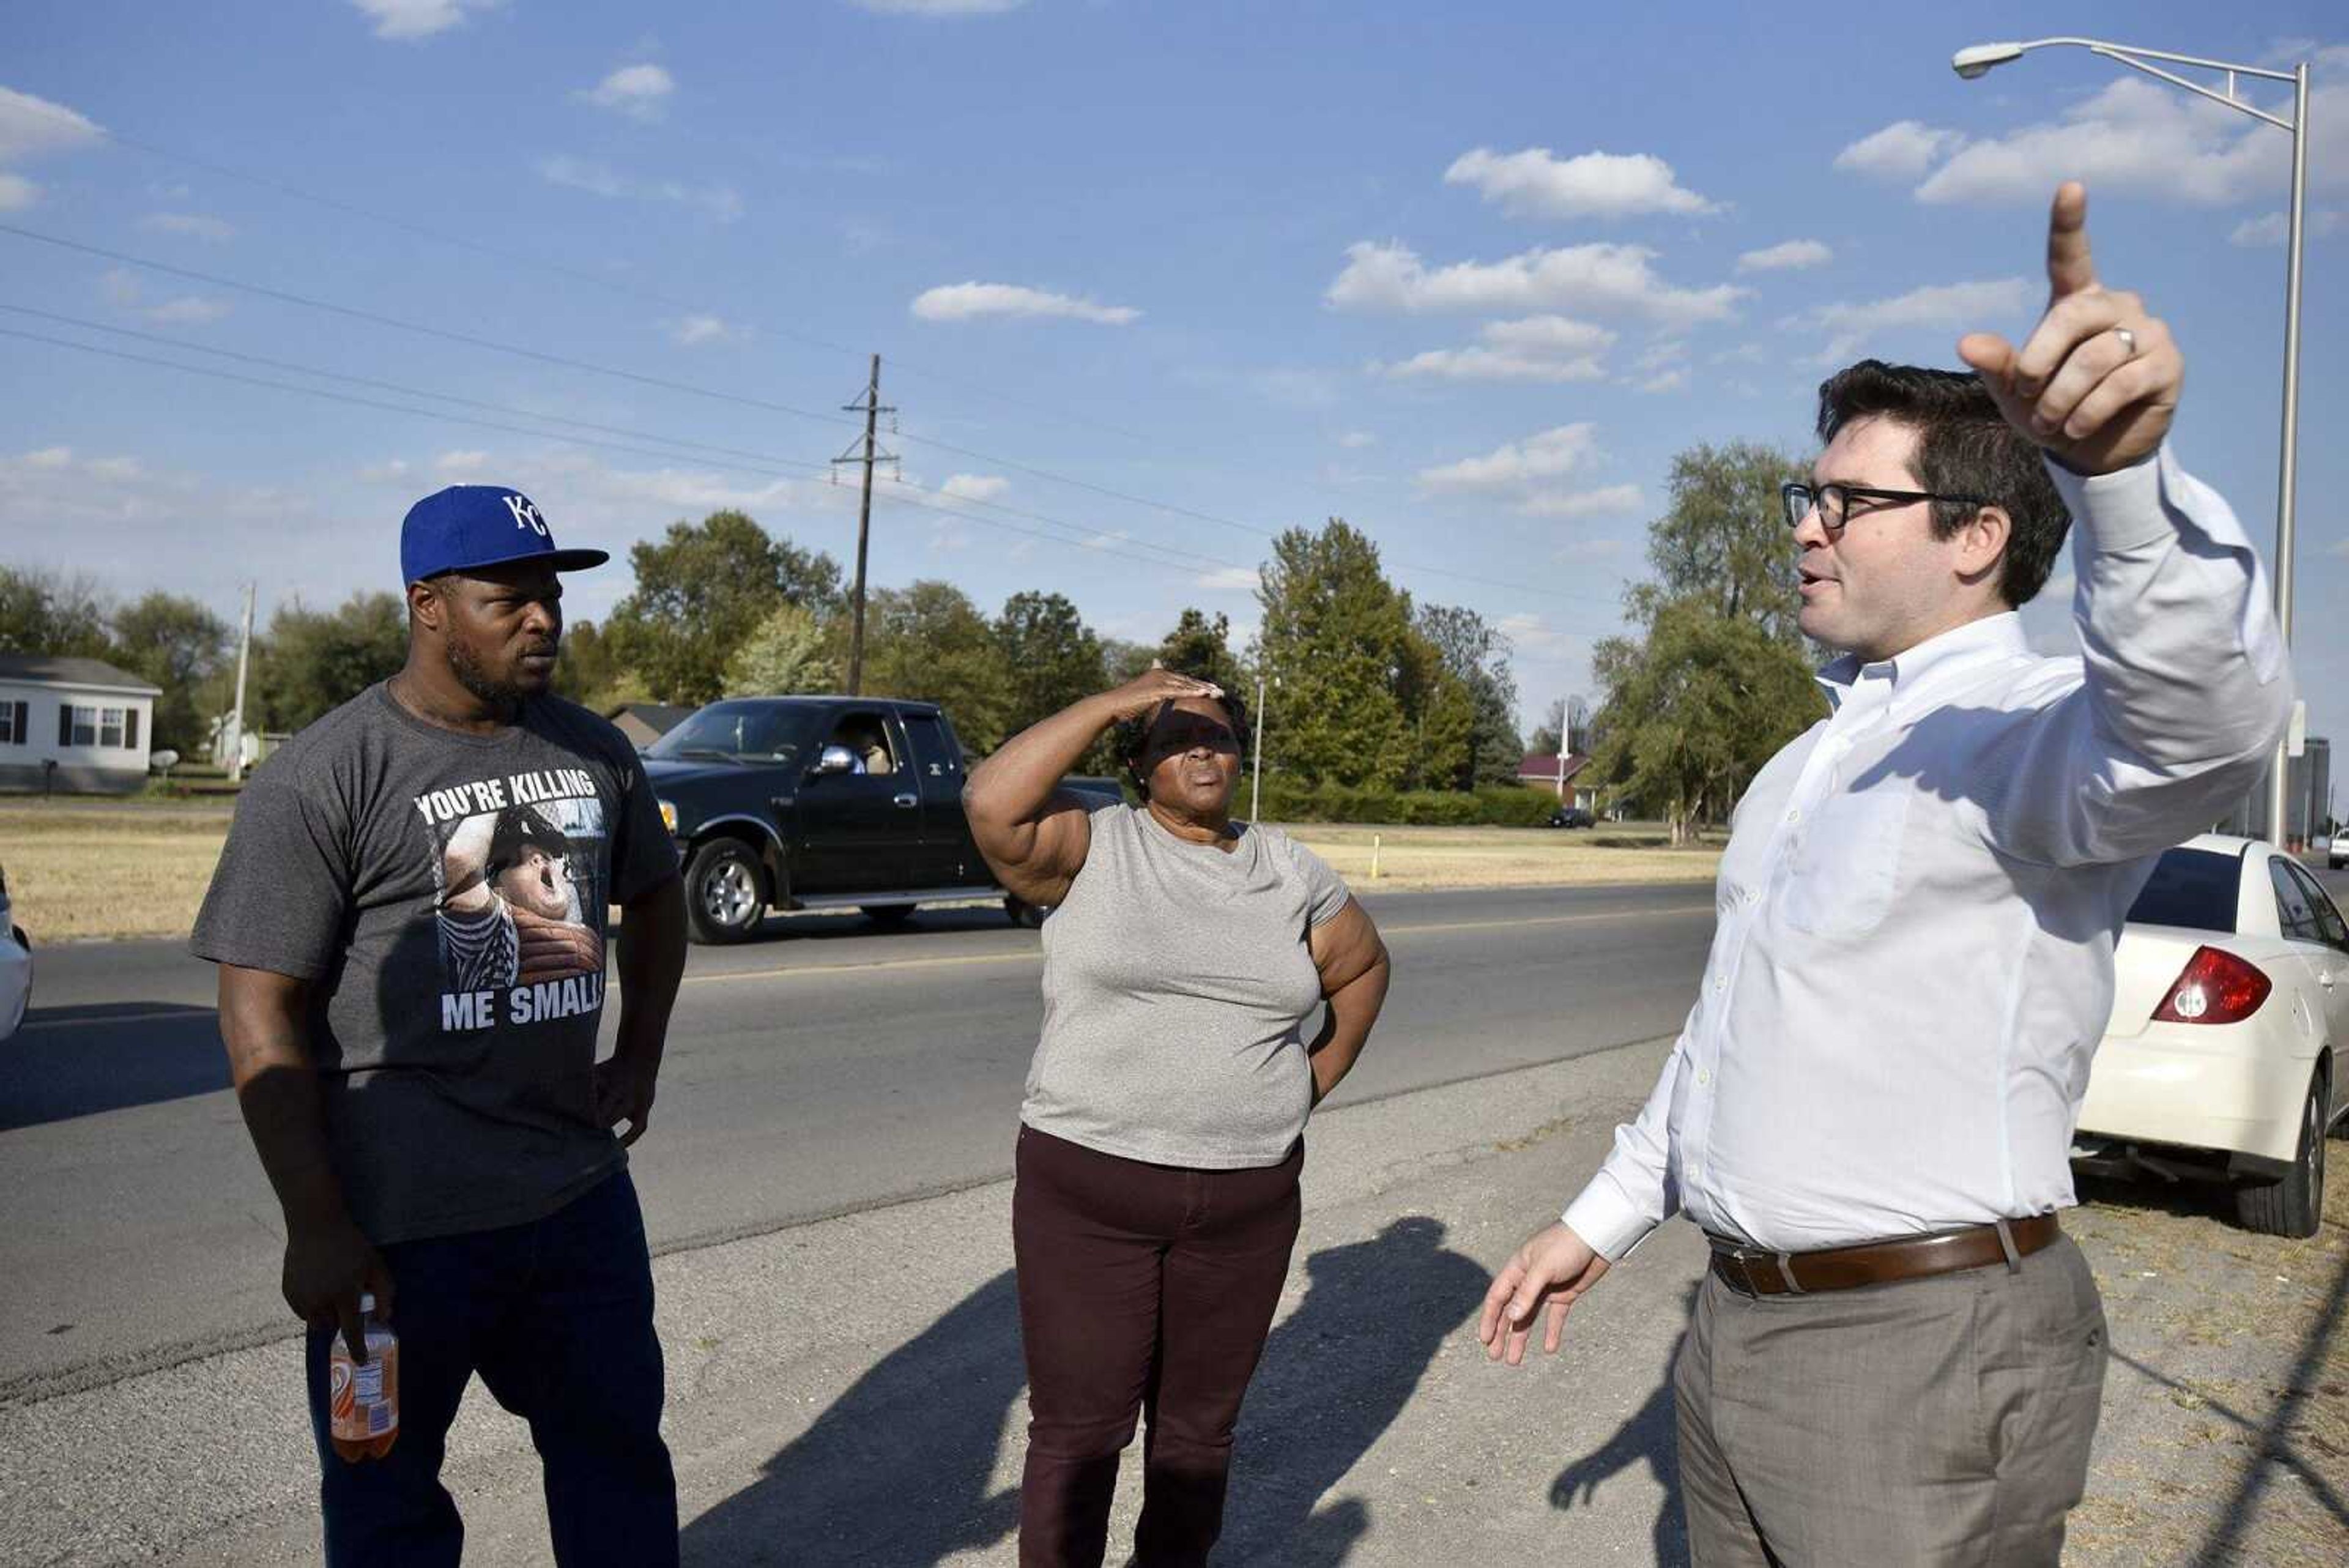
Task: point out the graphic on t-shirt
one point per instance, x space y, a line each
519 868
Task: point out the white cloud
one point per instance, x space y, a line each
1534 637
1532 349
979 487
719 202
1901 151
1744 354
384 473
2276 228
693 331
1791 256
1594 279
34 127
968 301
122 288
2148 140
640 92
1606 501
420 18
188 310
1232 579
1590 550
1550 454
1354 440
195 226
1663 367
458 464
1962 306
1537 183
16 192
1104 541
941 7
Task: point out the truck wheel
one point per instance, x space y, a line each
725 898
888 916
2293 1206
1024 913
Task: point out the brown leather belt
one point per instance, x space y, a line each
1753 1271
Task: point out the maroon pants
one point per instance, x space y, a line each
1143 1289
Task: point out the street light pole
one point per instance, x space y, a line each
1256 757
1980 58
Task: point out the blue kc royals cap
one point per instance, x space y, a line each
468 526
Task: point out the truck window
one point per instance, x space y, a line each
933 757
866 735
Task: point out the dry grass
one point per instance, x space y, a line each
76 871
124 869
1426 857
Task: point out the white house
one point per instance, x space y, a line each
73 724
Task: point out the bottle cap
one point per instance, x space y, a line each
367 1302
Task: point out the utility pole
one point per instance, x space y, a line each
237 719
871 408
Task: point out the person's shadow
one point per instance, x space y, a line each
1334 1376
896 1471
1649 1437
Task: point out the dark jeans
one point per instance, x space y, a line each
1143 1289
557 1317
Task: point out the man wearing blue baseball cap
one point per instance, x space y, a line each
410 1016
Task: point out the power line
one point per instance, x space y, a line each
567 362
320 392
580 274
1078 533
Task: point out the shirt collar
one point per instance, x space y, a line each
1997 635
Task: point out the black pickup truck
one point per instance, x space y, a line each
821 802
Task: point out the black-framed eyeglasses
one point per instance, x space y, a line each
1834 501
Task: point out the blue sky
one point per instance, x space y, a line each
1465 275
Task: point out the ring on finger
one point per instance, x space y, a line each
2128 340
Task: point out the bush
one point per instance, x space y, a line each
1494 806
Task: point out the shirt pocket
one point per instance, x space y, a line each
1847 865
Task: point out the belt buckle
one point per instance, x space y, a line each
1745 1259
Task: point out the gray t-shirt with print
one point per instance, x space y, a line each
445 895
1176 980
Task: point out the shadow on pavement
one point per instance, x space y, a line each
69 1062
895 1473
1650 1437
1334 1376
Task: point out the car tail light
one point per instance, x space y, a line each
2215 987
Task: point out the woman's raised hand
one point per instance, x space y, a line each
1154 685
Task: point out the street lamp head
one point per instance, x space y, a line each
1978 59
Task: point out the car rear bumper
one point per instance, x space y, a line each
2227 1090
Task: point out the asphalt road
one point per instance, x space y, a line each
829 1070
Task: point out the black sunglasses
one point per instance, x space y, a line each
1834 501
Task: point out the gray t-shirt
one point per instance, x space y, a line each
1176 979
446 895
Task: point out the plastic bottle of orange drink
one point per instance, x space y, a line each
363 1399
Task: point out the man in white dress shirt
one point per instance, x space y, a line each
1896 1356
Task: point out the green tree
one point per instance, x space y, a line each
1722 540
1123 660
1441 714
700 592
1338 634
43 612
590 673
1050 658
1694 708
1476 654
1201 645
789 653
929 642
313 661
180 646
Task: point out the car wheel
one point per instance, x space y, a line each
888 916
725 896
2293 1206
1024 913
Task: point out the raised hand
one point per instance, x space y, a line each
2096 383
1154 685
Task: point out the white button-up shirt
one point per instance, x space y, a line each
1920 897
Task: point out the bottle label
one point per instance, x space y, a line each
357 1404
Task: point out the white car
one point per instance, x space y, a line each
16 967
2230 1005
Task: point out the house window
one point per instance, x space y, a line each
84 727
12 723
110 727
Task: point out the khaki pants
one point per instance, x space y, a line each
1943 1421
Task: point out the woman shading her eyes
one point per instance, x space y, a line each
1162 1135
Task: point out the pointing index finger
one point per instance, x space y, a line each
2070 269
